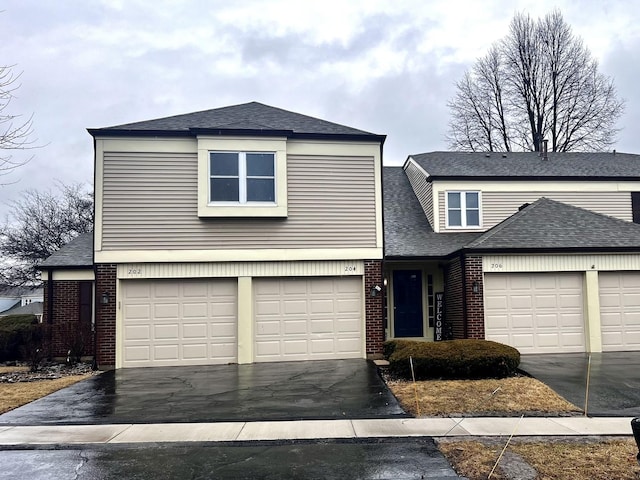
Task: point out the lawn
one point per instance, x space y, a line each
14 395
549 458
507 396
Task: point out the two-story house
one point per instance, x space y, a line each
240 234
536 251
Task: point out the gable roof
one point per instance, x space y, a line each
251 118
529 165
407 232
550 225
77 253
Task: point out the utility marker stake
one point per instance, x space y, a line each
586 395
415 387
505 447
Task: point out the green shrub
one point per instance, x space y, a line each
19 335
461 359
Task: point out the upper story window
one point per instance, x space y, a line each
463 209
242 177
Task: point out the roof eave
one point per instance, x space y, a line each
194 132
503 178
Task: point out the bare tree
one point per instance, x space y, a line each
39 223
15 132
538 82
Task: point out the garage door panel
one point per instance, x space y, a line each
518 321
620 310
295 307
535 312
195 310
194 330
166 353
295 327
195 351
547 321
308 318
520 302
198 326
138 332
322 306
166 310
166 332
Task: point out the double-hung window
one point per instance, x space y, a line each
242 178
463 209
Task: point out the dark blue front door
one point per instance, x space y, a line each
407 303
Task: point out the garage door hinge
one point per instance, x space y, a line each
119 305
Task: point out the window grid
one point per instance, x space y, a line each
242 178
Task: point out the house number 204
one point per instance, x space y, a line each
350 268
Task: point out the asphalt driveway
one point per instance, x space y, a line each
614 387
327 389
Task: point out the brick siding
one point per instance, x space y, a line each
374 308
65 331
106 315
475 302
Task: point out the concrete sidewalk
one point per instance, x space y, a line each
313 429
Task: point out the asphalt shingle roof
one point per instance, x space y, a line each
407 232
513 165
252 116
548 224
77 253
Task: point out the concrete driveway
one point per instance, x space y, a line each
614 387
328 389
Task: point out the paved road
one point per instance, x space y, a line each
378 459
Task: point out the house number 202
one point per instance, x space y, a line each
134 271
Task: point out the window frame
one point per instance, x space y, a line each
463 209
249 144
242 180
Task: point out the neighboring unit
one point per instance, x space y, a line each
239 234
536 251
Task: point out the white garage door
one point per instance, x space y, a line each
308 318
535 312
179 322
620 310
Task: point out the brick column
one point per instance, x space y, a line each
106 275
475 301
374 314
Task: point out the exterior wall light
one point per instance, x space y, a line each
475 287
375 290
104 300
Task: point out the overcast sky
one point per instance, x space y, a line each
387 66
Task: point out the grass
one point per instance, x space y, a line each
567 459
13 395
592 459
13 369
513 396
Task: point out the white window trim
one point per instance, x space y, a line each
463 209
242 181
275 145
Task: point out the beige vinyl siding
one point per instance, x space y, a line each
422 189
496 206
150 203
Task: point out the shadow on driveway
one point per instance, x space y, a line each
326 389
614 388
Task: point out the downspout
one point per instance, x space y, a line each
463 269
50 310
96 302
